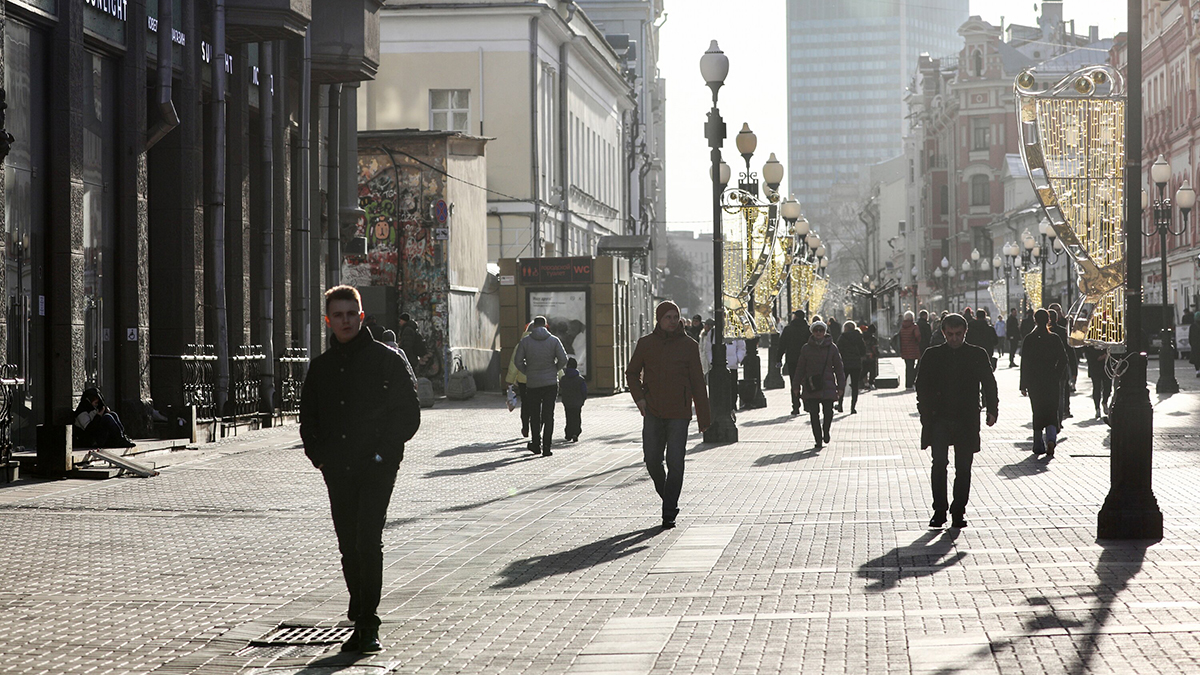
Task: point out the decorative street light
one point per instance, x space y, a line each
1185 197
714 67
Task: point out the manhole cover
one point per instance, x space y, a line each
304 635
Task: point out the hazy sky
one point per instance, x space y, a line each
752 33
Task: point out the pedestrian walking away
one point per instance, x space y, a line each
517 378
820 374
1097 360
794 337
910 349
1064 379
665 381
1194 343
925 328
1012 328
574 393
358 407
540 356
950 382
852 350
981 334
1043 362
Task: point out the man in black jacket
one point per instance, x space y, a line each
357 409
794 336
1012 327
925 328
950 380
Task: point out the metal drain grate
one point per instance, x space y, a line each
304 635
282 651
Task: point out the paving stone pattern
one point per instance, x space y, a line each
786 559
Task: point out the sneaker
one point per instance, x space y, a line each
938 519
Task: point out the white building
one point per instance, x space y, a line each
541 80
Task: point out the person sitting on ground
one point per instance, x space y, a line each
97 426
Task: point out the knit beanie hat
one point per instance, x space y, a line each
664 307
818 324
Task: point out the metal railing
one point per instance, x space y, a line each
292 367
247 378
10 385
199 381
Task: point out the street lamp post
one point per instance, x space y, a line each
714 67
1185 197
1130 510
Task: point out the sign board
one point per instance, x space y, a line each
441 212
508 280
555 270
441 233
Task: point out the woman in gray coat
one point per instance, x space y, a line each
821 378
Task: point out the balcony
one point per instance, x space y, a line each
262 20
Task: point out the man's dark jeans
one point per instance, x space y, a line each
910 373
945 434
358 501
541 415
667 436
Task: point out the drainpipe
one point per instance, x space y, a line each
266 319
220 79
333 270
564 135
168 118
535 219
303 233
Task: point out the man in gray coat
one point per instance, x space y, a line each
539 356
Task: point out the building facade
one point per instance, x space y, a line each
849 63
164 191
541 82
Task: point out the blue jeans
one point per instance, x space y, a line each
667 436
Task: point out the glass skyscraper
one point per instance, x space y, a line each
849 62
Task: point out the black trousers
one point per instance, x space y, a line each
910 373
574 422
358 502
795 393
853 380
1013 344
1101 390
523 394
965 442
541 415
815 407
733 387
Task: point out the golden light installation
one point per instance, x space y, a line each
816 294
803 274
1031 280
1073 147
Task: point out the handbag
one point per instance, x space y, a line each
817 382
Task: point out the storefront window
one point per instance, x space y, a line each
99 219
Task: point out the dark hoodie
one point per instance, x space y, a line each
572 388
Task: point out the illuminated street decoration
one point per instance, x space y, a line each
1031 280
753 265
1073 147
803 274
998 289
816 294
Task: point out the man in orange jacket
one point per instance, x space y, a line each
665 378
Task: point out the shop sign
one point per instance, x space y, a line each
114 8
555 271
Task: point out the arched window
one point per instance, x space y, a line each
977 61
980 192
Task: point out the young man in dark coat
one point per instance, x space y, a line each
926 330
950 381
1064 382
1043 362
665 380
357 409
795 335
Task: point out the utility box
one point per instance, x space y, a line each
591 304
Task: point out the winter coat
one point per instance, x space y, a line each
665 373
515 376
795 335
1096 359
835 331
411 342
1013 327
820 357
926 333
358 406
981 334
540 356
572 389
852 349
1043 367
910 340
950 383
1027 326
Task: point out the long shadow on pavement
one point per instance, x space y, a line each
782 419
924 557
528 570
1030 466
484 467
1118 564
785 457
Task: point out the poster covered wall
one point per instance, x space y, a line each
567 318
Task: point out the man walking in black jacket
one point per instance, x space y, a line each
795 335
357 409
950 380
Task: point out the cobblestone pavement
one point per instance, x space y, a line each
786 559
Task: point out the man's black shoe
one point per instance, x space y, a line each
533 447
959 521
795 411
668 525
826 435
351 644
525 432
547 453
669 519
938 519
369 642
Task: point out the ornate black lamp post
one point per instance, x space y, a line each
714 67
1185 197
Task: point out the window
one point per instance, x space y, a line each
980 191
945 200
979 133
977 62
449 109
